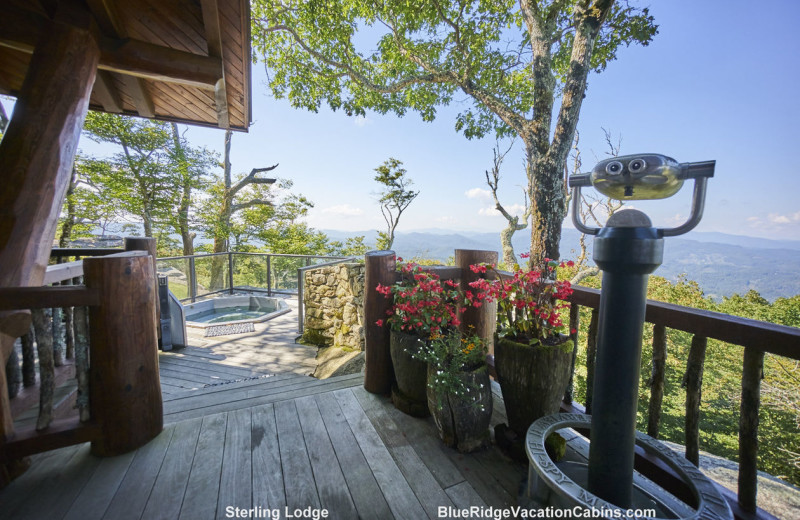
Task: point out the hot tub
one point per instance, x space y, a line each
233 314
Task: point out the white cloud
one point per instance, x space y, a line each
362 121
478 193
491 211
344 210
784 219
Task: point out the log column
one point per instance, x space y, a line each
36 157
148 244
380 267
483 318
124 388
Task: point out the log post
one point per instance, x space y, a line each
483 318
36 157
574 325
42 323
148 244
591 355
693 383
380 268
124 389
752 373
28 359
659 364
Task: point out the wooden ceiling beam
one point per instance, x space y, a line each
105 13
141 98
106 92
210 11
20 29
155 62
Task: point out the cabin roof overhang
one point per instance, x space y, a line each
186 61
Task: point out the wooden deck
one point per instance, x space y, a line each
323 444
246 427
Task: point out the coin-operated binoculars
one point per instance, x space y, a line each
627 249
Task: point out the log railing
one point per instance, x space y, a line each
113 321
755 336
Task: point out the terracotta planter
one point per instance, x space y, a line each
532 379
411 375
463 420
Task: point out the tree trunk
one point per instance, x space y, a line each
69 221
509 258
222 231
187 237
546 192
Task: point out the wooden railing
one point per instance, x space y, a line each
112 318
755 336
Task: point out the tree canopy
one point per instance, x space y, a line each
508 60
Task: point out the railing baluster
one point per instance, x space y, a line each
81 317
657 380
693 382
44 347
69 327
28 359
13 373
574 323
591 353
57 334
752 373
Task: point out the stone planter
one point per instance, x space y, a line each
532 379
411 375
463 420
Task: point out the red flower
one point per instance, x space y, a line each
379 323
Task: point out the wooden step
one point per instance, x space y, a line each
225 400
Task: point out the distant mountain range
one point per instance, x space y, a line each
721 264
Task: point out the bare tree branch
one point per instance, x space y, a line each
252 179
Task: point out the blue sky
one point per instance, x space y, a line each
719 82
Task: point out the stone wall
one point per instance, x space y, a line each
334 305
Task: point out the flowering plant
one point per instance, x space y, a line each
529 302
450 355
423 304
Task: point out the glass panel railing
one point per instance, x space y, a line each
178 273
250 271
212 273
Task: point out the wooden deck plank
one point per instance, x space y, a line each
167 495
398 493
428 491
330 385
298 477
268 489
236 480
135 488
180 361
181 384
271 382
364 489
202 489
57 495
464 497
188 376
419 434
484 483
331 485
93 501
226 395
44 467
208 371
